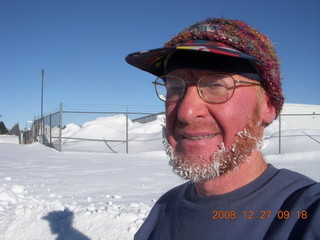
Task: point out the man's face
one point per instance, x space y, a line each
205 137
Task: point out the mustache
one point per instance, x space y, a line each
198 125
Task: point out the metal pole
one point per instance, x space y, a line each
50 127
127 132
60 129
42 120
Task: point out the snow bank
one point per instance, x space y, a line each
108 134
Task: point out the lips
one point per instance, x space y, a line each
197 143
196 135
196 132
194 138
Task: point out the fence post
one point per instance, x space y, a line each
20 142
127 132
60 128
50 127
42 130
279 133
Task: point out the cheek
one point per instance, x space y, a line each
243 106
235 115
171 118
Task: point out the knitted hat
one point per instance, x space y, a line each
222 36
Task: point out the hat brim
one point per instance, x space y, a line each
153 61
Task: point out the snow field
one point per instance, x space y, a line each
110 195
81 194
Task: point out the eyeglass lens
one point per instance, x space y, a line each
214 88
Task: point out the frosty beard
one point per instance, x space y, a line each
199 168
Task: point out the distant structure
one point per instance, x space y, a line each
148 118
15 130
3 129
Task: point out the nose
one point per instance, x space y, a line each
191 106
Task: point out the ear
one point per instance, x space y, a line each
268 111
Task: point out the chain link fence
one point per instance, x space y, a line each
293 133
51 133
57 130
288 133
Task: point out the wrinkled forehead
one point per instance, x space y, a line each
208 61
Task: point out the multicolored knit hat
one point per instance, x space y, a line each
222 36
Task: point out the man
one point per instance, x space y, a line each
220 80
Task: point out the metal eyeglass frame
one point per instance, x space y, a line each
198 88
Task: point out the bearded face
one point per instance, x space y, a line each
205 141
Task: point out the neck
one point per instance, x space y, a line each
245 173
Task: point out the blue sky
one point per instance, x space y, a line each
81 45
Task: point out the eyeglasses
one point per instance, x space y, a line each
212 88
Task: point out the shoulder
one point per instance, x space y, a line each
305 191
294 174
286 177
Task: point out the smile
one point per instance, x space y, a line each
194 138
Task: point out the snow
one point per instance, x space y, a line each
81 194
113 129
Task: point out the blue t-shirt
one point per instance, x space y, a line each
280 204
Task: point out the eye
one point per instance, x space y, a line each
214 85
215 89
174 86
169 88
